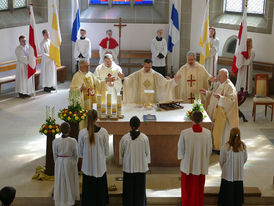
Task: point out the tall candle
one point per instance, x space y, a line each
99 105
109 105
119 105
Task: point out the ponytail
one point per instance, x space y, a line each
92 116
134 124
235 140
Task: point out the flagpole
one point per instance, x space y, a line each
33 80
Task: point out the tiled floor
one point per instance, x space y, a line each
22 149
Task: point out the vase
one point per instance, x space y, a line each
49 156
74 130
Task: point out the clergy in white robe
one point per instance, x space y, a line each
85 84
109 69
108 45
24 85
222 109
48 75
65 154
211 63
134 155
93 143
159 52
134 85
194 150
245 73
194 77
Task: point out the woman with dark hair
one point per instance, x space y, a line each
7 196
66 181
134 154
233 156
94 149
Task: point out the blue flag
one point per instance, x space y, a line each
76 21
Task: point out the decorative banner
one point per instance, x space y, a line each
98 1
120 1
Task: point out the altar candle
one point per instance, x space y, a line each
99 105
114 110
109 104
119 105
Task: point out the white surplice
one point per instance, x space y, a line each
114 52
66 183
211 63
194 150
102 72
245 75
48 76
24 85
158 47
82 46
134 154
137 82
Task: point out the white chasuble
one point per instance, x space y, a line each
193 79
228 111
102 72
137 82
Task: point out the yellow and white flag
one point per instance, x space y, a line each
204 38
55 34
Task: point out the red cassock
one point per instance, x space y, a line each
112 43
192 186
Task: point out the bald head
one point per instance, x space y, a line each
83 66
223 75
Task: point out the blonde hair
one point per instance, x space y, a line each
235 140
92 117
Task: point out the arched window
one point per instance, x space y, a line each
254 6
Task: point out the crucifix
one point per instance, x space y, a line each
191 80
120 25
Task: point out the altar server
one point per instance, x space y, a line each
147 79
65 154
211 63
48 75
109 69
222 108
93 143
233 156
159 52
194 150
24 85
245 73
108 45
82 49
134 155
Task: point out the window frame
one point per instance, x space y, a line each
248 13
23 7
11 8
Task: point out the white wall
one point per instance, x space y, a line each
262 43
9 39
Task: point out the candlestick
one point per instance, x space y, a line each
119 106
99 105
109 105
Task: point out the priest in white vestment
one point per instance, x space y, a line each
24 85
48 75
194 77
194 150
245 73
85 84
108 45
159 52
65 155
222 108
110 69
147 79
211 63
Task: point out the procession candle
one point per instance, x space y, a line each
119 105
47 112
109 104
114 111
52 113
99 105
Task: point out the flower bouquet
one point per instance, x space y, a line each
73 114
196 106
50 127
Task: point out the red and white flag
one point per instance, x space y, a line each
33 44
241 51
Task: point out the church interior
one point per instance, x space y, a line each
23 148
